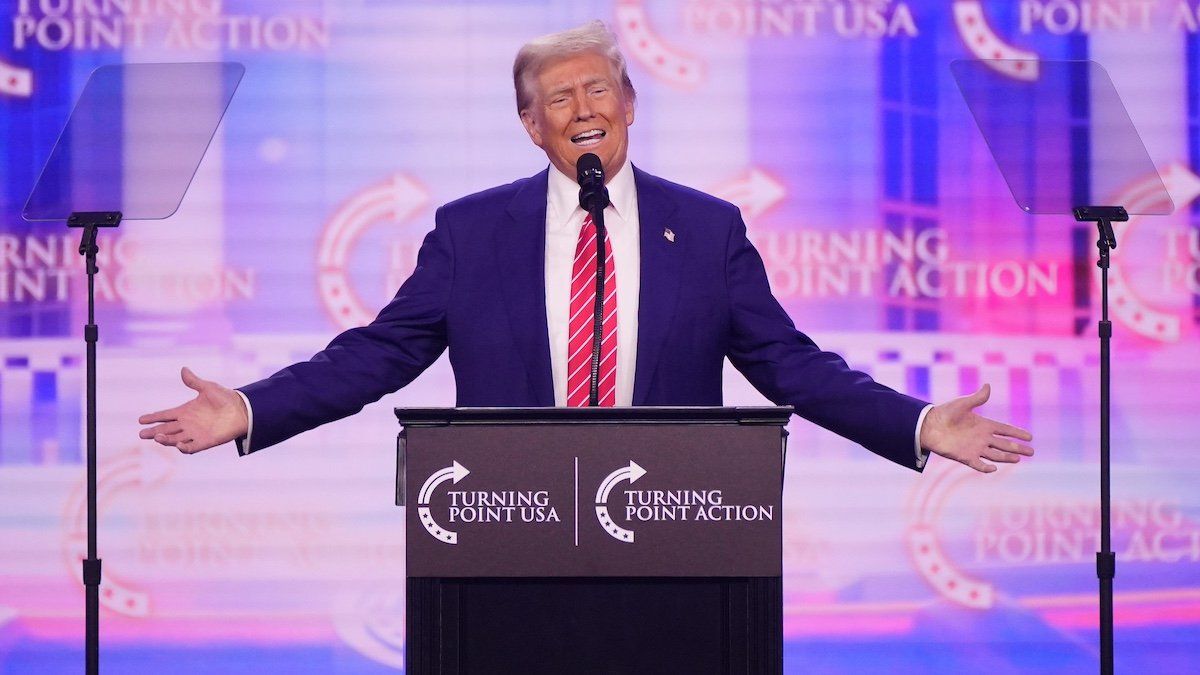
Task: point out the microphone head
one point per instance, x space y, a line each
589 167
592 193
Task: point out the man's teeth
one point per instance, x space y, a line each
588 137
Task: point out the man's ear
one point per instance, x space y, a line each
531 127
628 111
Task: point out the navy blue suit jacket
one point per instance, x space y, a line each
479 290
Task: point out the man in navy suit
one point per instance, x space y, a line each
494 285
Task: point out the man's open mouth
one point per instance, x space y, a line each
590 137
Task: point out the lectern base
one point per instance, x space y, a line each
601 625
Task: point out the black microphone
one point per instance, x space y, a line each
593 196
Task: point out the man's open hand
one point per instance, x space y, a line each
953 430
216 416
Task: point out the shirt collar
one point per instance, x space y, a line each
562 196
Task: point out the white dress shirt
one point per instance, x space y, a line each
564 220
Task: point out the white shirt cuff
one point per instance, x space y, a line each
922 454
243 443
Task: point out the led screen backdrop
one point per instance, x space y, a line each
888 233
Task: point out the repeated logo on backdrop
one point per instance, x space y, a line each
388 203
326 171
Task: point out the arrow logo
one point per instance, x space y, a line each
632 473
754 193
455 472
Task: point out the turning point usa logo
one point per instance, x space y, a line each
481 506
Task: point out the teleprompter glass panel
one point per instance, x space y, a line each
1060 135
134 140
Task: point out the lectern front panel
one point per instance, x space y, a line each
593 500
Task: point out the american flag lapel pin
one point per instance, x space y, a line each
669 235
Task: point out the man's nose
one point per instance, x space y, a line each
583 110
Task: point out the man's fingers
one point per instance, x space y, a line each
168 429
169 439
175 440
191 446
998 455
1009 430
981 466
1011 446
168 415
191 380
980 396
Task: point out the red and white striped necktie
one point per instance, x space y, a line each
583 314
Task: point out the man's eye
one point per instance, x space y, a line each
599 90
558 102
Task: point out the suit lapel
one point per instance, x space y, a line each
661 262
521 255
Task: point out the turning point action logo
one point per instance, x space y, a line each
662 506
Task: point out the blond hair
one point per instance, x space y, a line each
592 36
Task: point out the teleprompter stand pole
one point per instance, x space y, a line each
91 222
1106 560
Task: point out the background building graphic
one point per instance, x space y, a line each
887 232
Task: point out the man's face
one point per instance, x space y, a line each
579 106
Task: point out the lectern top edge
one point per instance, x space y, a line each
766 415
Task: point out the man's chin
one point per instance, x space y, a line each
581 151
569 162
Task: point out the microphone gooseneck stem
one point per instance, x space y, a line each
598 318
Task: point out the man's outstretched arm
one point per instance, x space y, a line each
359 366
788 368
955 431
216 416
